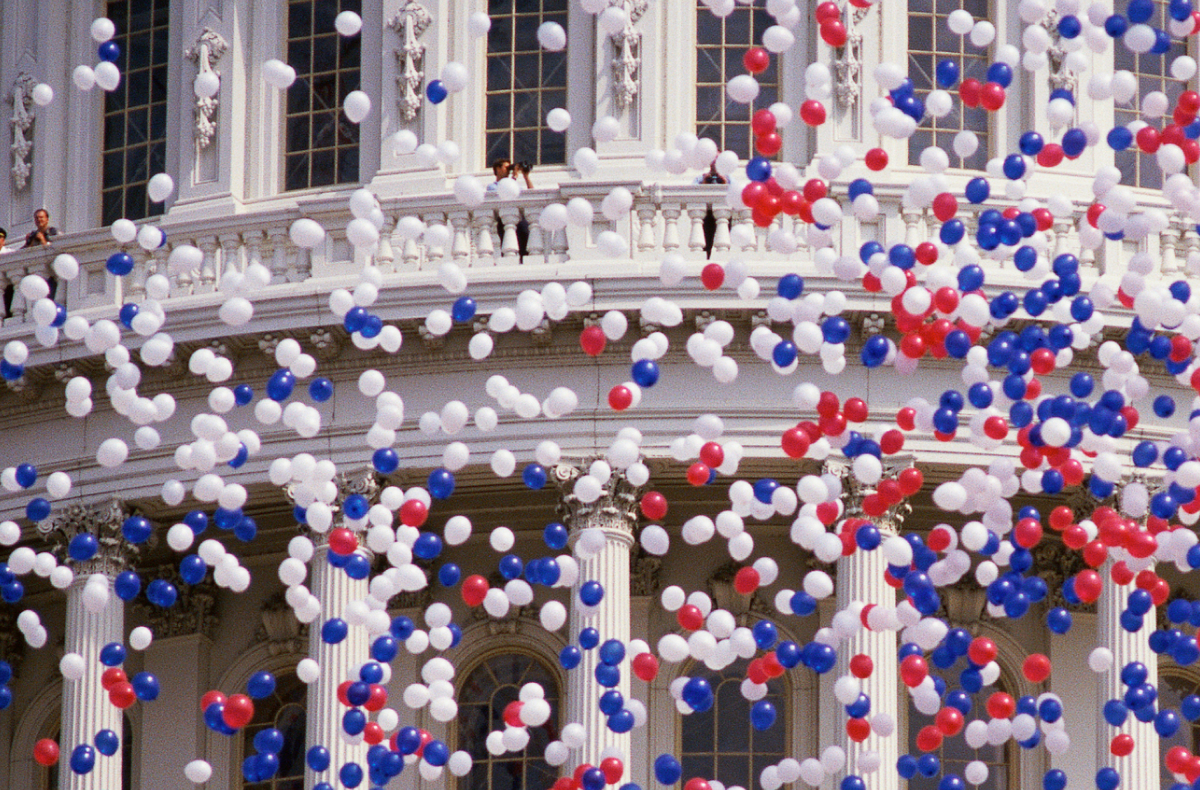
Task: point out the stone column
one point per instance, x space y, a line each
615 515
1140 770
860 580
335 590
86 708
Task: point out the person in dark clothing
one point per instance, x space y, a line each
710 220
42 232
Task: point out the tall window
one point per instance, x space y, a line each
721 743
524 82
720 45
930 42
283 710
1140 169
484 694
322 144
50 776
135 114
955 754
1172 688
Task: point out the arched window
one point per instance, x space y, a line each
524 82
135 114
930 42
283 710
720 45
50 775
322 144
1150 69
1173 686
721 743
955 754
485 691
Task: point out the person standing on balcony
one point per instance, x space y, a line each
4 250
710 220
504 168
42 232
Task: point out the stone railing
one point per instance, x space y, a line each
684 219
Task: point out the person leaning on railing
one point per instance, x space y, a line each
42 232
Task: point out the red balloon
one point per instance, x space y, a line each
949 721
122 695
1177 759
991 96
654 505
413 513
565 783
342 541
795 443
378 698
913 670
827 12
995 427
620 398
1148 139
812 112
592 340
1001 705
1036 667
834 33
512 713
689 617
756 60
645 666
696 783
876 159
613 769
712 454
768 144
1088 585
373 733
945 206
698 474
910 481
713 276
474 588
858 729
114 675
1028 533
343 691
856 410
45 752
753 192
969 92
746 580
1121 745
982 650
891 442
792 202
762 122
239 710
861 666
929 738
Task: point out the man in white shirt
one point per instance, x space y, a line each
4 250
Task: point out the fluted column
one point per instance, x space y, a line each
335 590
614 514
1140 769
86 708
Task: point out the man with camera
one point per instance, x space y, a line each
505 168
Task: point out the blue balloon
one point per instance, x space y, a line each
436 91
354 721
127 585
385 460
644 373
26 475
112 654
534 476
83 759
784 353
1107 779
281 384
555 535
463 309
441 483
83 547
320 389
243 394
946 72
119 264
351 774
977 190
1166 723
758 169
107 742
667 769
1119 138
109 51
762 714
621 721
260 685
145 686
612 652
765 634
192 569
570 656
698 694
334 630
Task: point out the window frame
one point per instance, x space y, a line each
293 685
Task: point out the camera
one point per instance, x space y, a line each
526 166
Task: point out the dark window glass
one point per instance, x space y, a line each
524 82
322 146
284 711
930 41
721 43
720 743
955 754
135 113
485 692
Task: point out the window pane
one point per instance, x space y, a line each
524 82
721 45
322 148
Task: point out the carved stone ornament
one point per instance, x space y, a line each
364 482
616 508
645 571
409 23
725 596
1054 562
627 54
193 612
853 492
280 629
102 520
205 53
22 128
847 63
1060 75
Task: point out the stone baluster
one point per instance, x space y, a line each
460 239
385 256
1140 769
670 212
558 247
433 254
484 221
86 708
510 248
912 227
20 307
536 245
647 215
721 240
744 218
208 267
696 216
253 242
1191 241
231 250
277 248
1168 246
615 515
5 283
